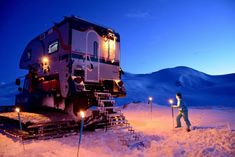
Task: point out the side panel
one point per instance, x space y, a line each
92 57
109 72
87 45
60 64
34 50
57 63
102 65
110 54
78 41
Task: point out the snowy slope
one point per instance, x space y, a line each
212 136
199 89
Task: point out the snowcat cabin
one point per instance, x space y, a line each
96 57
71 62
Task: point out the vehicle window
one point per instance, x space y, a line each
53 47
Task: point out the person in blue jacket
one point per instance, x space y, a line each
183 112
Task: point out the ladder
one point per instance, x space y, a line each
116 121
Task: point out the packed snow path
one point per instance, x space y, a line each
213 135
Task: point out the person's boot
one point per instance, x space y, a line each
188 129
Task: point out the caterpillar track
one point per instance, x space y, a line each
47 125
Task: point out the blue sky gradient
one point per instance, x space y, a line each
155 34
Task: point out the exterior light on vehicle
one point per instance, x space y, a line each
45 60
45 64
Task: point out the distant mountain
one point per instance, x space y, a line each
198 88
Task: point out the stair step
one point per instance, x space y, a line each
106 108
106 100
119 121
115 115
102 94
116 120
111 107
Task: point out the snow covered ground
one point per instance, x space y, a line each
212 135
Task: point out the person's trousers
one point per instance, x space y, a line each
183 114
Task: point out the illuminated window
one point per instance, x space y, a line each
95 49
53 47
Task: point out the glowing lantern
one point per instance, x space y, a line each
17 109
171 101
82 114
18 112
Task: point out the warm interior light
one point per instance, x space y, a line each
17 109
82 114
150 98
105 46
171 101
109 46
112 45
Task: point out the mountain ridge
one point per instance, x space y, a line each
199 88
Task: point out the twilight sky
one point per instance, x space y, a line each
155 34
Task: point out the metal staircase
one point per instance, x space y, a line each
116 121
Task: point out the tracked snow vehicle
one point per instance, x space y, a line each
70 67
73 66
